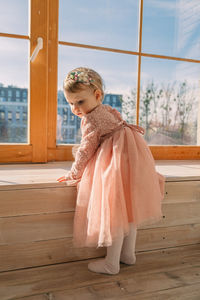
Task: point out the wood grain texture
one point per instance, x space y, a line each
26 255
180 192
180 265
15 153
175 152
46 252
177 284
52 77
58 225
163 289
22 174
178 214
37 201
39 81
35 228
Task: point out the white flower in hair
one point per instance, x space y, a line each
79 76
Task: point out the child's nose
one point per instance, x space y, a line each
75 108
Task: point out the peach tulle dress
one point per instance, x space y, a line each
116 178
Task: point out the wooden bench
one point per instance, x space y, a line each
36 222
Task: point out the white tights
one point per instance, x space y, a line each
122 249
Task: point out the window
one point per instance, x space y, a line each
17 93
9 93
2 115
146 51
104 19
17 116
24 94
10 116
14 54
27 140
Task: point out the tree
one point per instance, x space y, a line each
129 107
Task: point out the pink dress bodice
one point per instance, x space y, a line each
102 121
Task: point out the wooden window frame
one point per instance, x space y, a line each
43 92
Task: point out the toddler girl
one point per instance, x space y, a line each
118 187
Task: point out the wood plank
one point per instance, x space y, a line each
169 283
42 280
35 228
178 214
15 153
59 225
37 297
188 191
23 255
18 175
26 255
16 187
37 201
62 198
23 174
165 237
175 152
191 292
116 290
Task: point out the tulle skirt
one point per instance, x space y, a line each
119 186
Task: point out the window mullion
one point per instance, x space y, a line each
39 81
139 60
52 78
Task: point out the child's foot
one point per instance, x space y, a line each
101 266
128 259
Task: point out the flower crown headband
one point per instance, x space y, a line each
80 76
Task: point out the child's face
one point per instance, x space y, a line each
84 101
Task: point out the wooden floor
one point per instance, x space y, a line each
165 274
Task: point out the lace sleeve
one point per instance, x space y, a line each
89 144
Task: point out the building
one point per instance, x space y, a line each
14 116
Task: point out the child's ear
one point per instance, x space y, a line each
98 94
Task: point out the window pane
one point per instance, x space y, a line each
171 27
13 90
170 102
107 23
14 16
119 73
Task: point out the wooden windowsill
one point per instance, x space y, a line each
17 175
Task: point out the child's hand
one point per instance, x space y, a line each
61 179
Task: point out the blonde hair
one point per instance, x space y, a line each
77 79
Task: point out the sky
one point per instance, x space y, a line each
170 27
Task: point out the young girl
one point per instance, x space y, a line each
118 187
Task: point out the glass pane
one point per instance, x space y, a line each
172 27
13 90
170 102
14 16
119 73
107 23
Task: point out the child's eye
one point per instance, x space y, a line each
80 102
